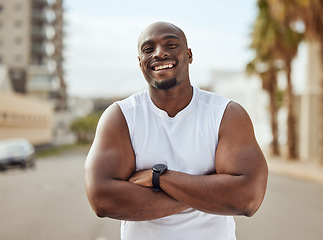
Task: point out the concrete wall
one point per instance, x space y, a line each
15 33
5 83
309 125
22 116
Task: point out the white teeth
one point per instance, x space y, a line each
164 66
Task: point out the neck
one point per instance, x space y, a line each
172 100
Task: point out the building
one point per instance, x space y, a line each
307 77
310 129
31 47
32 87
247 91
5 83
23 116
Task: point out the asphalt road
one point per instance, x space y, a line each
49 202
292 210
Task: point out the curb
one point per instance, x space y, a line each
303 170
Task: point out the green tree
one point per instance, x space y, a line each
84 127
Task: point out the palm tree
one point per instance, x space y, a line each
263 39
275 41
310 12
268 74
286 48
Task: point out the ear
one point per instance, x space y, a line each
190 55
139 61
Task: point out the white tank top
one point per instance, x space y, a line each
185 143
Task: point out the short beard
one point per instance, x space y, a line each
170 83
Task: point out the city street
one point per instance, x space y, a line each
49 202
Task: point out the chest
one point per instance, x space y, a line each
187 144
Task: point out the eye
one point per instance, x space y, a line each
147 49
171 45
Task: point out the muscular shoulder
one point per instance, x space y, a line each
238 149
236 122
111 146
112 124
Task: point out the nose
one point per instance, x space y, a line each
160 52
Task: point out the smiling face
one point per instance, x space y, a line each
164 56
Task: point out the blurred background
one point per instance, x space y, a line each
62 62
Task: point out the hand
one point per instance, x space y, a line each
142 178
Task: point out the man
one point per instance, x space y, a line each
209 165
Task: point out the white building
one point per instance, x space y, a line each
247 91
306 77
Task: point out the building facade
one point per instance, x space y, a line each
23 116
31 47
248 92
310 130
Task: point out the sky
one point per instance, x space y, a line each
101 40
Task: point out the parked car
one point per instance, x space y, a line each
17 151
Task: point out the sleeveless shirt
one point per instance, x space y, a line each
185 143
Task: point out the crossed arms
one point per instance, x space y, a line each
115 190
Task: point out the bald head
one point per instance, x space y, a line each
159 28
163 55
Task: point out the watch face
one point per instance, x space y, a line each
159 167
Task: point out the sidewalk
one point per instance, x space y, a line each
303 170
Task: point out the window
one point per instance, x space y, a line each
4 116
18 40
16 73
18 6
18 23
18 58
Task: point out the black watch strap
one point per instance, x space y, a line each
155 181
158 169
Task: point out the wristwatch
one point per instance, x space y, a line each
158 169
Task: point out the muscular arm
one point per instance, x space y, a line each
108 166
239 185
